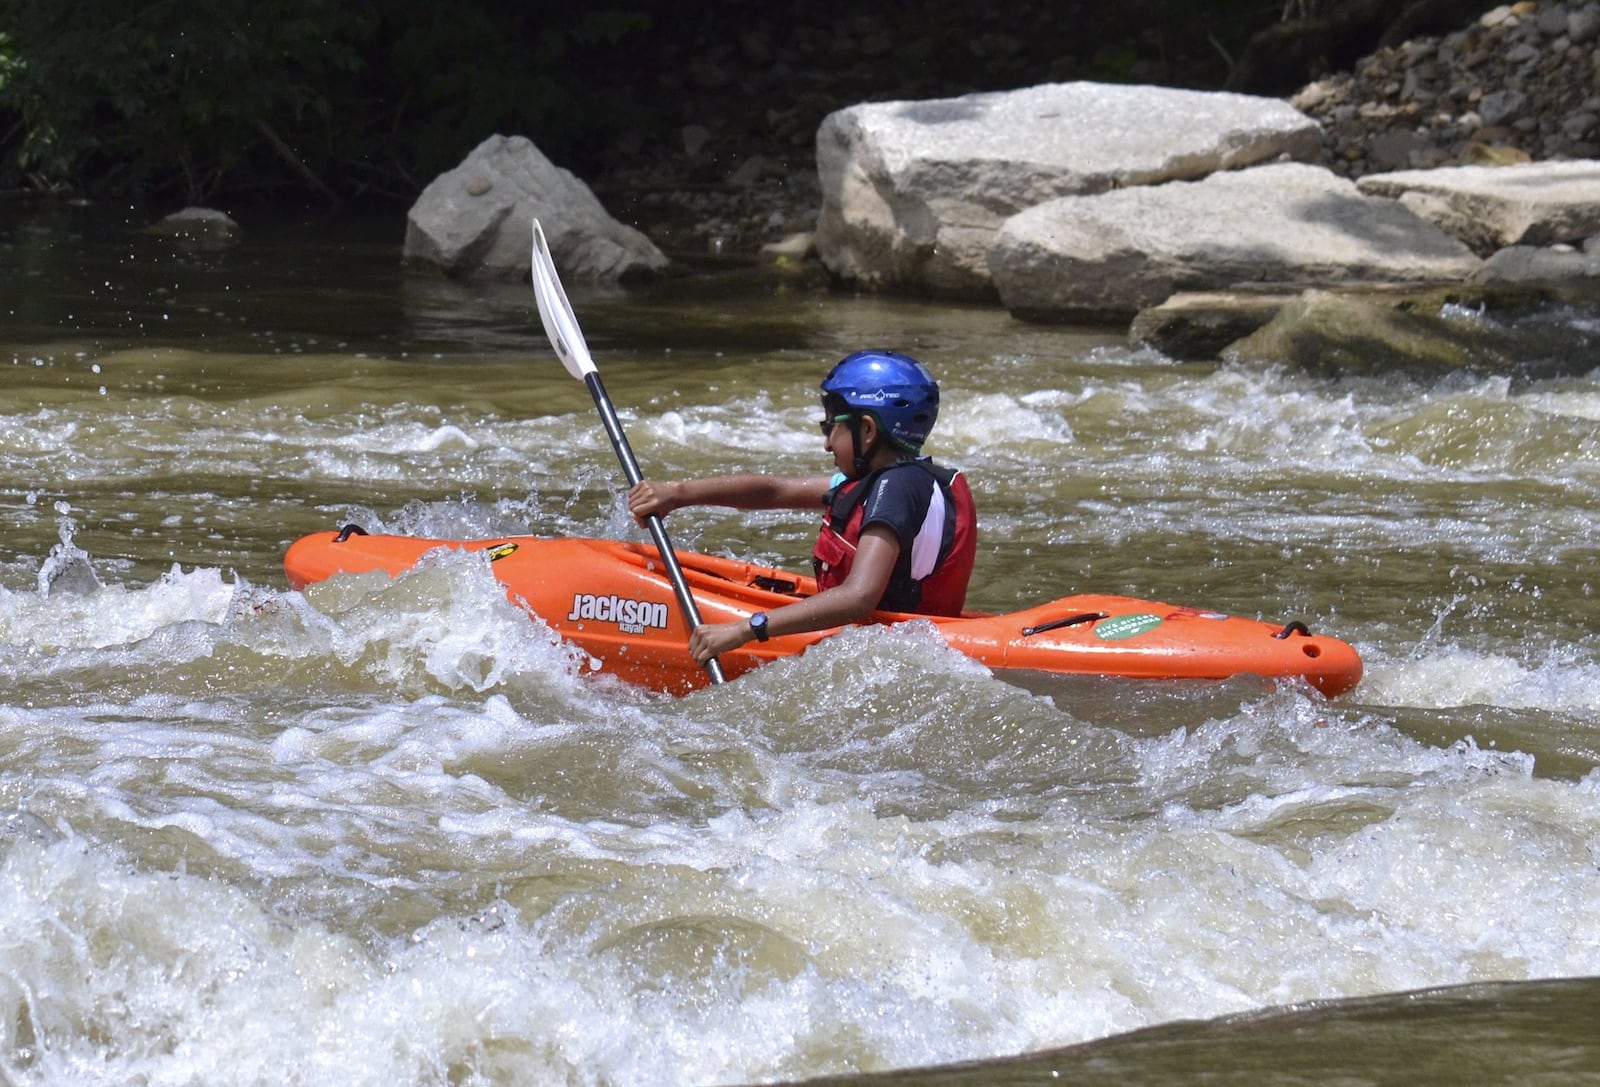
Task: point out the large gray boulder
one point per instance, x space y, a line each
913 192
475 222
1105 257
1492 207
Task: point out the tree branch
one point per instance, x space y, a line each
287 154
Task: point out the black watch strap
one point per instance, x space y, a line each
758 626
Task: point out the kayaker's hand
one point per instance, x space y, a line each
647 499
714 639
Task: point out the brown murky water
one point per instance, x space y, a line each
387 833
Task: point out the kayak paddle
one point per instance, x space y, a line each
561 326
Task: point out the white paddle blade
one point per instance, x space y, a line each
555 312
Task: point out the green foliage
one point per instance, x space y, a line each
462 72
160 96
155 99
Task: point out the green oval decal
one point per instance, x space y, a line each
1126 626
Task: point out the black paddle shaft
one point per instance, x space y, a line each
658 530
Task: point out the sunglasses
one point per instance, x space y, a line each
827 425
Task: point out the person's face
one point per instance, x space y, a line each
838 440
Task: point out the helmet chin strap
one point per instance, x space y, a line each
862 455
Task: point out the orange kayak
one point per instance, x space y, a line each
616 602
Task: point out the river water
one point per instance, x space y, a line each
386 833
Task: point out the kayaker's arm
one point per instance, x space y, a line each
850 602
746 491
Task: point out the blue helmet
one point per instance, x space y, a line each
895 388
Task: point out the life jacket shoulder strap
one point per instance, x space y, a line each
844 499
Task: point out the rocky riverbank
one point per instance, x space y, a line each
1103 203
1519 84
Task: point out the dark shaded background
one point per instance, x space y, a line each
306 102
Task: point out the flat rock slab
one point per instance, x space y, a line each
1577 274
1340 334
913 192
1200 324
1105 257
476 221
1211 324
1492 207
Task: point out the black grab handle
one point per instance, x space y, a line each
1067 621
348 531
1294 628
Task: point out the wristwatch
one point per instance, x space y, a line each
758 626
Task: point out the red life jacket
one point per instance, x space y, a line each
942 552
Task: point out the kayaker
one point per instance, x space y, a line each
899 532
